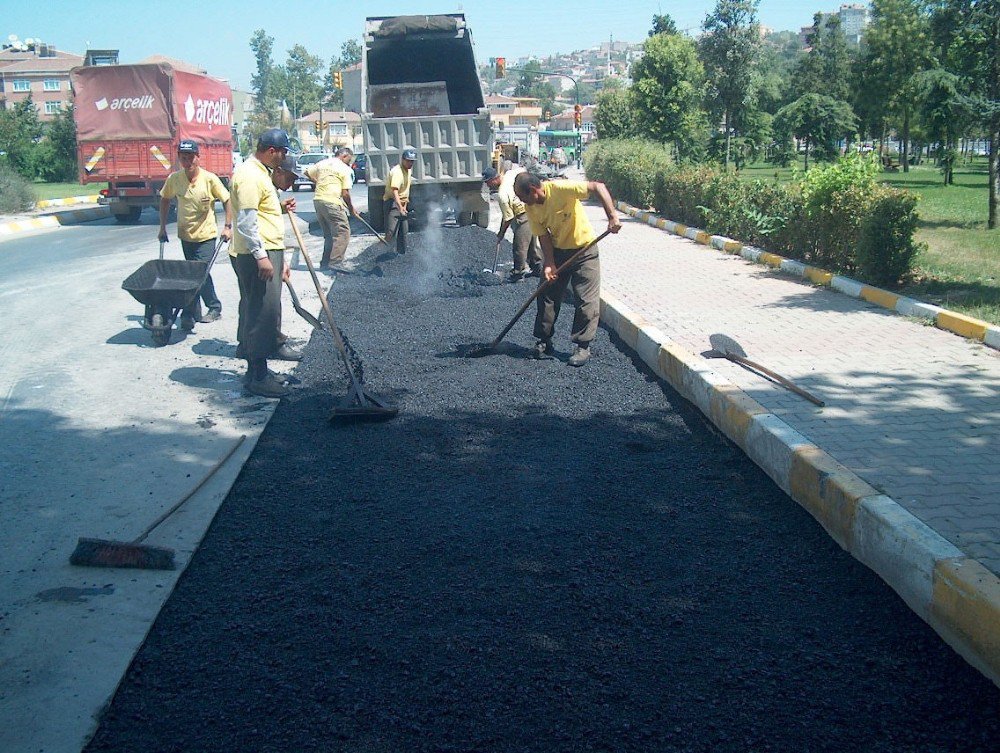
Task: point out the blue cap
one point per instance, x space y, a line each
490 174
289 165
410 154
187 146
274 137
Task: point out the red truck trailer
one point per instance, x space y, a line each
129 120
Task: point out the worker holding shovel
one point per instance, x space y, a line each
557 217
396 199
527 256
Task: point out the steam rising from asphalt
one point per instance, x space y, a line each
429 250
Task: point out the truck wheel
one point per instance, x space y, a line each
481 218
375 216
129 217
465 218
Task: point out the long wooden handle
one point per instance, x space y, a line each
338 341
381 239
544 285
777 377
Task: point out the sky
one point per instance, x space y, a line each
215 34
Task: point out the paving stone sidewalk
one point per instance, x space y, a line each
911 409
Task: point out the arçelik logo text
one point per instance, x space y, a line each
212 112
145 102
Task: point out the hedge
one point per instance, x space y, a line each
838 217
16 193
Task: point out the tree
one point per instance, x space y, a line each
350 53
941 114
20 130
297 82
265 102
530 75
826 67
668 88
662 24
897 49
54 157
817 120
729 50
615 115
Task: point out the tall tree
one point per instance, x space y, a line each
942 115
662 24
298 83
729 50
261 82
668 89
826 67
350 53
20 129
896 49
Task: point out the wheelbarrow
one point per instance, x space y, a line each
166 287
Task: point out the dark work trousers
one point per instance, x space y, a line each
202 251
527 251
260 305
336 225
396 223
583 277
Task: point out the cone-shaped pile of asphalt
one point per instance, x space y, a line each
531 557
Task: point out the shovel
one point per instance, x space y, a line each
359 405
299 308
478 350
377 235
728 348
496 260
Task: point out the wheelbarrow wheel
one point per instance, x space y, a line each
161 333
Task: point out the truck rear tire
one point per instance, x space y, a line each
481 218
129 217
466 218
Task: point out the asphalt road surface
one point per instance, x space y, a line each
530 557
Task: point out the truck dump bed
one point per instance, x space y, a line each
421 89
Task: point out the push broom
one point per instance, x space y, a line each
104 553
360 404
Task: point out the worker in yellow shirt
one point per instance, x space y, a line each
333 178
396 199
557 217
527 256
196 191
257 256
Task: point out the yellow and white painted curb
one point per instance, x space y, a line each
953 593
966 326
69 217
68 201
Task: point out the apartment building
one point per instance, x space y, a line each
37 70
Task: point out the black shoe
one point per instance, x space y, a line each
213 315
187 323
516 276
267 386
287 353
544 350
241 352
580 356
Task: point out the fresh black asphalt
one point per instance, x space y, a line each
530 557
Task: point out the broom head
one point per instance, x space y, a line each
103 553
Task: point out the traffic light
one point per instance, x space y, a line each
338 79
501 67
319 126
577 115
547 115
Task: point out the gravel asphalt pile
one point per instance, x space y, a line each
530 557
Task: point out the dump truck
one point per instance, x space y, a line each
420 89
129 120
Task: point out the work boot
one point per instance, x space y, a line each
543 350
267 386
287 353
580 356
212 315
241 351
187 323
516 276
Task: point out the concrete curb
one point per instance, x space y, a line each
953 593
959 324
67 201
68 217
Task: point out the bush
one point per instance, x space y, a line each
16 194
628 167
838 217
886 248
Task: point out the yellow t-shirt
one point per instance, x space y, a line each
510 205
562 214
253 189
332 178
195 204
398 178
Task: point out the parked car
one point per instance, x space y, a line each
360 166
308 160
